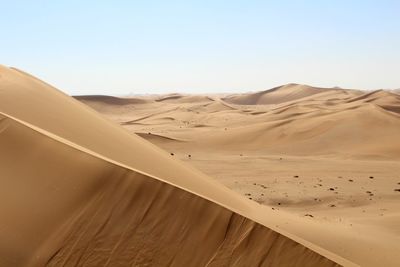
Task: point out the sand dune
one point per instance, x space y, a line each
279 94
325 161
384 99
111 100
177 98
310 133
78 190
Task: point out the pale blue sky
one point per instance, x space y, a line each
122 47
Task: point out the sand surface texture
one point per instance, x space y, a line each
321 163
79 190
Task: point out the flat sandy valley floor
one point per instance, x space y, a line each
326 160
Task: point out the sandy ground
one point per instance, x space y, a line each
79 190
325 160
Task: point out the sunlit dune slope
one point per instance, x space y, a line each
78 190
365 130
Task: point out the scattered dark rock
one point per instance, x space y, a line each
371 177
172 154
279 203
397 190
189 156
351 180
332 189
309 215
332 206
296 176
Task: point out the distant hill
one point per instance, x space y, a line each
280 94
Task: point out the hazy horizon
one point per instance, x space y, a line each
203 47
225 93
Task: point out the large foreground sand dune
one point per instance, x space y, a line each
78 190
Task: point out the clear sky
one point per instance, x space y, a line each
123 47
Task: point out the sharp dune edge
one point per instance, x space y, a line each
78 190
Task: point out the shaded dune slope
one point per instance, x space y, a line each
111 100
84 211
384 99
78 190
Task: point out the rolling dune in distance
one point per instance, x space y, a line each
284 93
325 161
79 190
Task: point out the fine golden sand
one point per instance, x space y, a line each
79 190
325 161
292 176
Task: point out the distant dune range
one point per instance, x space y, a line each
324 160
291 119
78 190
284 93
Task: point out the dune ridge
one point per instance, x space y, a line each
280 94
114 215
119 215
111 100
